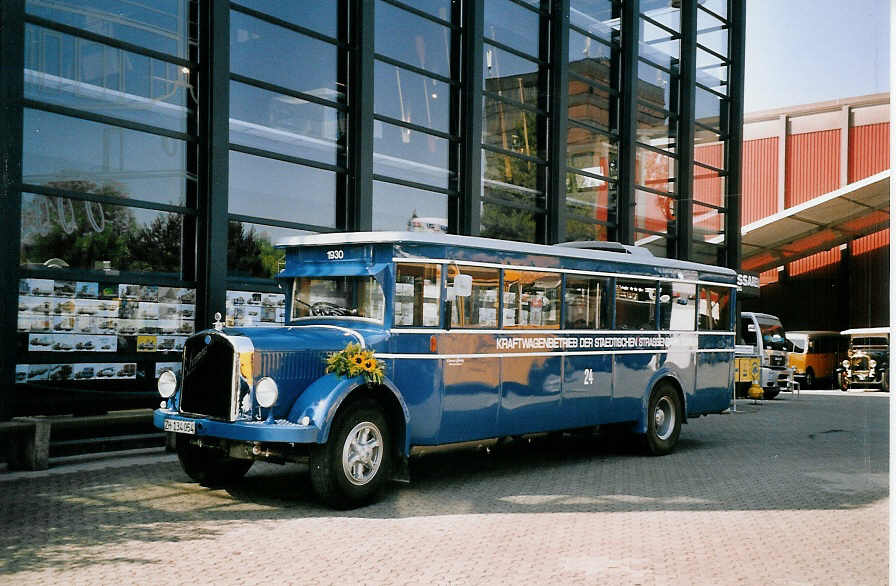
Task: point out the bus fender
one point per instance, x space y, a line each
657 378
321 401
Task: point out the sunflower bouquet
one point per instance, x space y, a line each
354 361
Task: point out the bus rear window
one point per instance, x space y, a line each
714 309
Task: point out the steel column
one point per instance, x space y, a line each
213 170
557 124
360 115
684 214
628 122
736 48
470 197
12 53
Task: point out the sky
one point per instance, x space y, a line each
806 51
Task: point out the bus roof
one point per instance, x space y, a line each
627 254
867 332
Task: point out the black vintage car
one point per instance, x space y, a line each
868 360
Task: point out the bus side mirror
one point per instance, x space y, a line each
463 285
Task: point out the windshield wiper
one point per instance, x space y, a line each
325 308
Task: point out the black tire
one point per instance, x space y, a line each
810 379
771 393
741 390
662 434
208 466
341 483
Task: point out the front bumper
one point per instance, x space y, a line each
250 431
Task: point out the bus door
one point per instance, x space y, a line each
715 354
530 383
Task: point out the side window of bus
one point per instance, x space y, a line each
635 305
678 306
714 307
480 308
587 303
531 299
417 288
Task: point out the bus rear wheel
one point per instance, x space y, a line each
663 420
352 468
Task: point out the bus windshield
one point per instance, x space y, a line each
800 342
338 297
773 337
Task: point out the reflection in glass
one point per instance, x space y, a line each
709 224
161 25
512 25
410 155
635 305
709 186
591 151
317 16
587 303
678 306
352 298
578 230
396 207
417 294
655 213
657 245
583 48
594 16
480 308
510 178
277 55
655 170
507 223
710 254
412 39
510 76
251 251
410 97
590 104
665 12
102 158
656 128
67 233
709 109
268 188
284 124
510 127
658 45
711 71
655 87
531 299
588 197
77 73
712 33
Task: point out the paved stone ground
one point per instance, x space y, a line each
792 491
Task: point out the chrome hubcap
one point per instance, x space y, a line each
362 453
664 418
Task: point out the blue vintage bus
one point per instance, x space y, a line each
473 339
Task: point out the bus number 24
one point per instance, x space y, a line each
589 376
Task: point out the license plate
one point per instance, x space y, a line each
180 426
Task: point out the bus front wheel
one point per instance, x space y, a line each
208 466
354 465
663 420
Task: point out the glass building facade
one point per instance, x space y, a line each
154 153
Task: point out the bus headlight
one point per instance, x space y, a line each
266 392
167 384
845 363
873 363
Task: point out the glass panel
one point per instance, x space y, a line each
160 25
105 81
656 128
66 233
584 48
411 97
591 151
658 45
283 124
654 212
709 254
80 155
704 141
678 306
510 178
714 309
591 105
654 87
251 252
595 16
512 25
655 171
254 308
510 76
712 33
709 186
338 298
587 304
480 309
511 128
319 15
712 72
277 55
720 7
710 109
412 39
410 155
438 8
588 197
417 294
507 223
709 224
268 188
635 305
657 245
665 12
531 299
396 207
578 230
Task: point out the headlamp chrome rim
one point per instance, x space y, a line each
167 384
266 392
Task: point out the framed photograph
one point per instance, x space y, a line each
168 311
161 367
63 306
64 288
129 292
86 307
63 323
85 325
149 293
128 309
106 325
63 343
126 370
148 311
39 371
42 287
168 294
41 324
186 295
84 371
87 290
60 372
146 343
21 373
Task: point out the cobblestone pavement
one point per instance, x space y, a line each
791 491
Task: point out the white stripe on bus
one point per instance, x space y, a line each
543 354
578 332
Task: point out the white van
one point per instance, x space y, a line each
763 335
